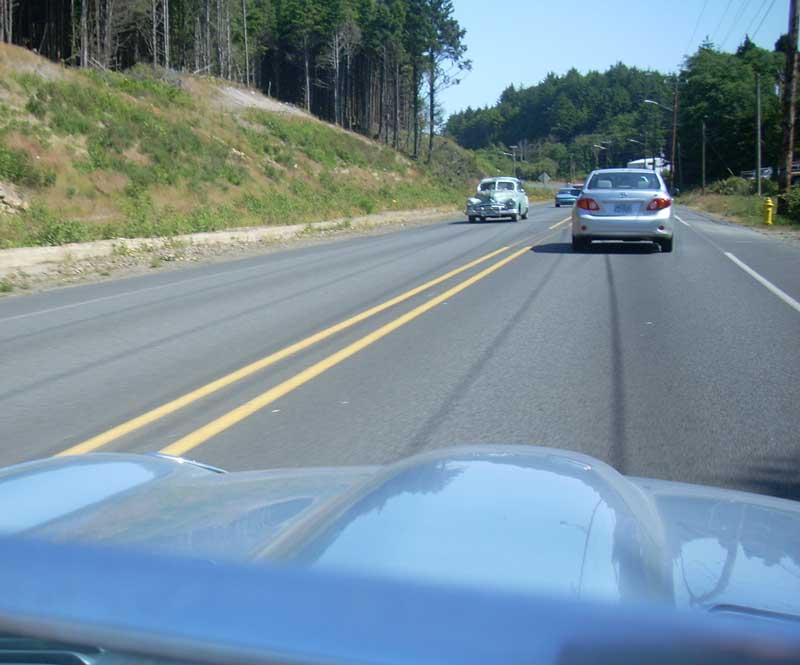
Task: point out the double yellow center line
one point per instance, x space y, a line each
222 423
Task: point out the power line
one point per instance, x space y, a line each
722 18
697 25
755 16
771 5
735 22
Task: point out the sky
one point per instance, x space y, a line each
520 41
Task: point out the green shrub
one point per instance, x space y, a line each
792 200
16 166
733 186
768 187
45 229
36 107
366 205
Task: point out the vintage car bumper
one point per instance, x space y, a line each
493 210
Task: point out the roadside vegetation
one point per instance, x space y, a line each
99 154
567 125
735 199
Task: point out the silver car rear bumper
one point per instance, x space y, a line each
625 228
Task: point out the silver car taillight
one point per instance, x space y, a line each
659 204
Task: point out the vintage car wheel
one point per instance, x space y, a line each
525 216
514 217
558 205
472 219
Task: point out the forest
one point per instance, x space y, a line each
568 124
373 66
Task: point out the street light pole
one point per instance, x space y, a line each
704 157
673 163
597 149
674 111
514 158
758 133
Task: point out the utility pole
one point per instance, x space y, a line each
673 163
758 133
789 104
644 136
514 158
704 157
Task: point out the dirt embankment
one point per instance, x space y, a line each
27 270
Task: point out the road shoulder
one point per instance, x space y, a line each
34 269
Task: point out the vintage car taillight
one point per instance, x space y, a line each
659 204
588 204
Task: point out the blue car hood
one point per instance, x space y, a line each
514 517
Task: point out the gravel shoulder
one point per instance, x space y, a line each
30 270
784 233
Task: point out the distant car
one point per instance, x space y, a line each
567 196
496 198
623 204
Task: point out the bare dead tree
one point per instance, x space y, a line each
220 54
198 40
97 31
207 62
351 39
84 33
246 46
108 31
331 59
228 42
10 21
396 123
154 19
165 16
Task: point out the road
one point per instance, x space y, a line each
681 366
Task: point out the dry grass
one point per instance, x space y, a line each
741 209
104 155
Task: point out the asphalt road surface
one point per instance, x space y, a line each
684 366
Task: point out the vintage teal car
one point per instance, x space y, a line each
502 196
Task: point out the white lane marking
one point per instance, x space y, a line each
765 283
685 223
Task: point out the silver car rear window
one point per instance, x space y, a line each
625 181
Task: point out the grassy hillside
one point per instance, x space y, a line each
104 155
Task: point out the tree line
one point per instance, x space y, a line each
572 123
373 66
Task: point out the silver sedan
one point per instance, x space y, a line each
623 204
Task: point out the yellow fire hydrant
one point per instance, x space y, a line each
769 210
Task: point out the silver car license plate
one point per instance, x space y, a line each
623 208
